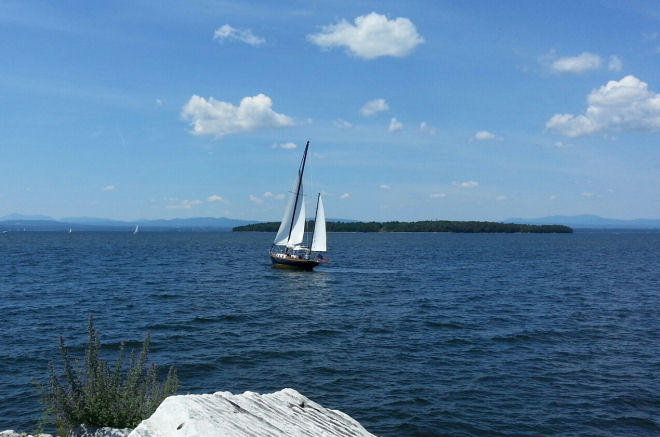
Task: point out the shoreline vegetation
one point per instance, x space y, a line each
421 226
95 393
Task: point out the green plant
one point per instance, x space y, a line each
97 394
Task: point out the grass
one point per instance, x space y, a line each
96 393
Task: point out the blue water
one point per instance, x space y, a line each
411 334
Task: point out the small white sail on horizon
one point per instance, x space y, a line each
136 229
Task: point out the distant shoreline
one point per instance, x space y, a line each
436 226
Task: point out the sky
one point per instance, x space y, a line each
415 110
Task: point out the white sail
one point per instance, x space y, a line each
298 231
319 240
294 213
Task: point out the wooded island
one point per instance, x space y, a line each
422 226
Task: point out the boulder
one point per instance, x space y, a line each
283 413
12 433
92 431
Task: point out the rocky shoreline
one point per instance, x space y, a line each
283 413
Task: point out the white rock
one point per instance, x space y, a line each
12 433
283 413
91 431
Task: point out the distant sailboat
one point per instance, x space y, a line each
288 249
136 229
70 230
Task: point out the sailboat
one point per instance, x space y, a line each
288 249
136 229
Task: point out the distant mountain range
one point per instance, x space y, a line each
589 222
19 222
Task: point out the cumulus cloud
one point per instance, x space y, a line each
345 196
395 125
615 64
216 118
577 64
373 107
109 188
183 204
215 198
651 36
228 33
371 36
269 195
483 135
384 187
425 128
288 145
466 184
255 199
624 105
342 124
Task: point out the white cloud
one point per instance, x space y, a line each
256 199
215 198
345 196
288 145
371 36
483 135
269 195
160 102
437 195
183 204
652 36
395 125
577 64
216 118
615 64
425 128
466 184
625 105
384 187
373 107
342 124
109 188
226 32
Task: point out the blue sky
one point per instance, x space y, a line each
415 110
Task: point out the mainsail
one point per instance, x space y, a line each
318 240
292 228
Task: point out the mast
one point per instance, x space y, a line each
300 176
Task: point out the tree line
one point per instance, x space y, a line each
421 226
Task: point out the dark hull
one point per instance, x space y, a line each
293 263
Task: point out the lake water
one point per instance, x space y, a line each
411 334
